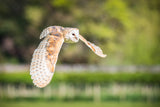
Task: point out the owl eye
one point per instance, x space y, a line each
73 34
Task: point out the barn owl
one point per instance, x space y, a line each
45 56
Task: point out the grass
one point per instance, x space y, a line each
77 104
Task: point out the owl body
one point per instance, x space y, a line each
45 56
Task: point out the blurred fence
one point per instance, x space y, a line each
81 67
87 92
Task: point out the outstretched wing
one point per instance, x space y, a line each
97 50
44 60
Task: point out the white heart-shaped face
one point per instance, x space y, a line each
71 35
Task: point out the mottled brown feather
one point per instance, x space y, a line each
53 48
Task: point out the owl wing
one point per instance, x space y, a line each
44 60
97 50
50 29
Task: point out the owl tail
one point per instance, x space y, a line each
97 50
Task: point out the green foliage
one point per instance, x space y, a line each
86 78
118 10
65 4
101 31
34 15
127 31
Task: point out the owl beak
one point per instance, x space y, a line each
76 37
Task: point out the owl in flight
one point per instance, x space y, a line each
45 56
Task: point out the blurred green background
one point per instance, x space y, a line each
126 30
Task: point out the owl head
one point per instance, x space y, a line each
71 35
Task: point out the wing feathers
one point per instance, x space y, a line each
97 50
44 60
